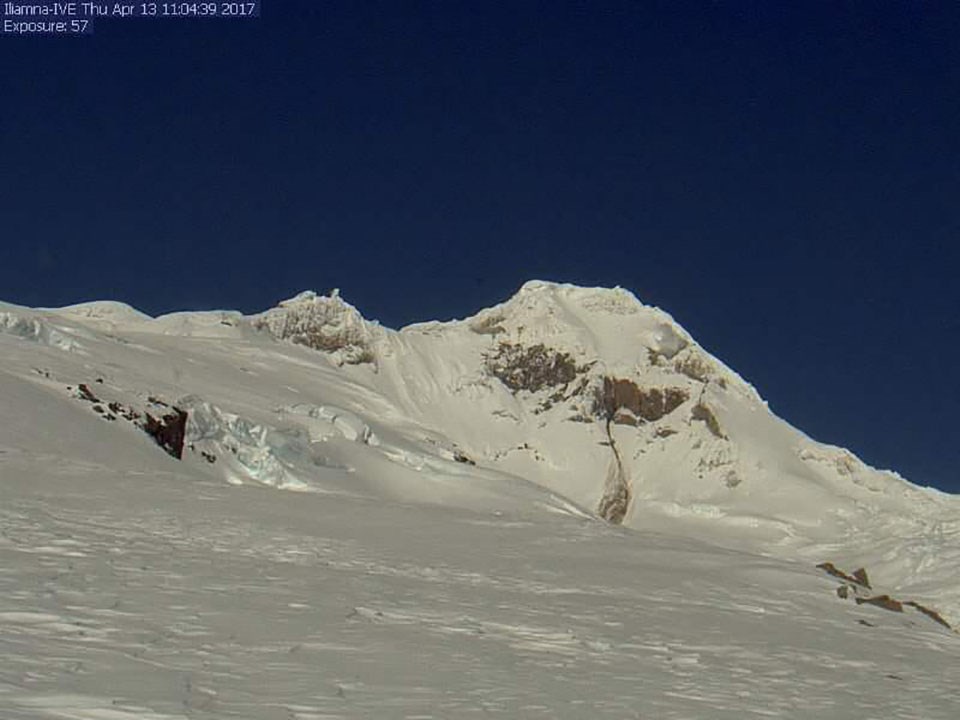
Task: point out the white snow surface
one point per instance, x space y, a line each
440 555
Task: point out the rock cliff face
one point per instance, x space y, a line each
626 403
531 367
165 424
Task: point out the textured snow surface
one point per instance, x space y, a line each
155 595
441 555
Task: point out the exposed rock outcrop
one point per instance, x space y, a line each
168 431
644 404
704 414
694 364
932 614
327 324
859 576
854 586
490 323
531 368
884 601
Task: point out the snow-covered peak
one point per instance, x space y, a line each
106 311
570 290
604 403
604 327
454 496
326 323
540 297
310 297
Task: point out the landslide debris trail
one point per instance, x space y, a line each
615 502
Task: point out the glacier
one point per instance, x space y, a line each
562 506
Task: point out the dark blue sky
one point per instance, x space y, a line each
783 177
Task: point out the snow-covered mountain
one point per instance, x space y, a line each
564 411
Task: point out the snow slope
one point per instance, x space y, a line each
443 553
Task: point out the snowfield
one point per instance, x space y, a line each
562 507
